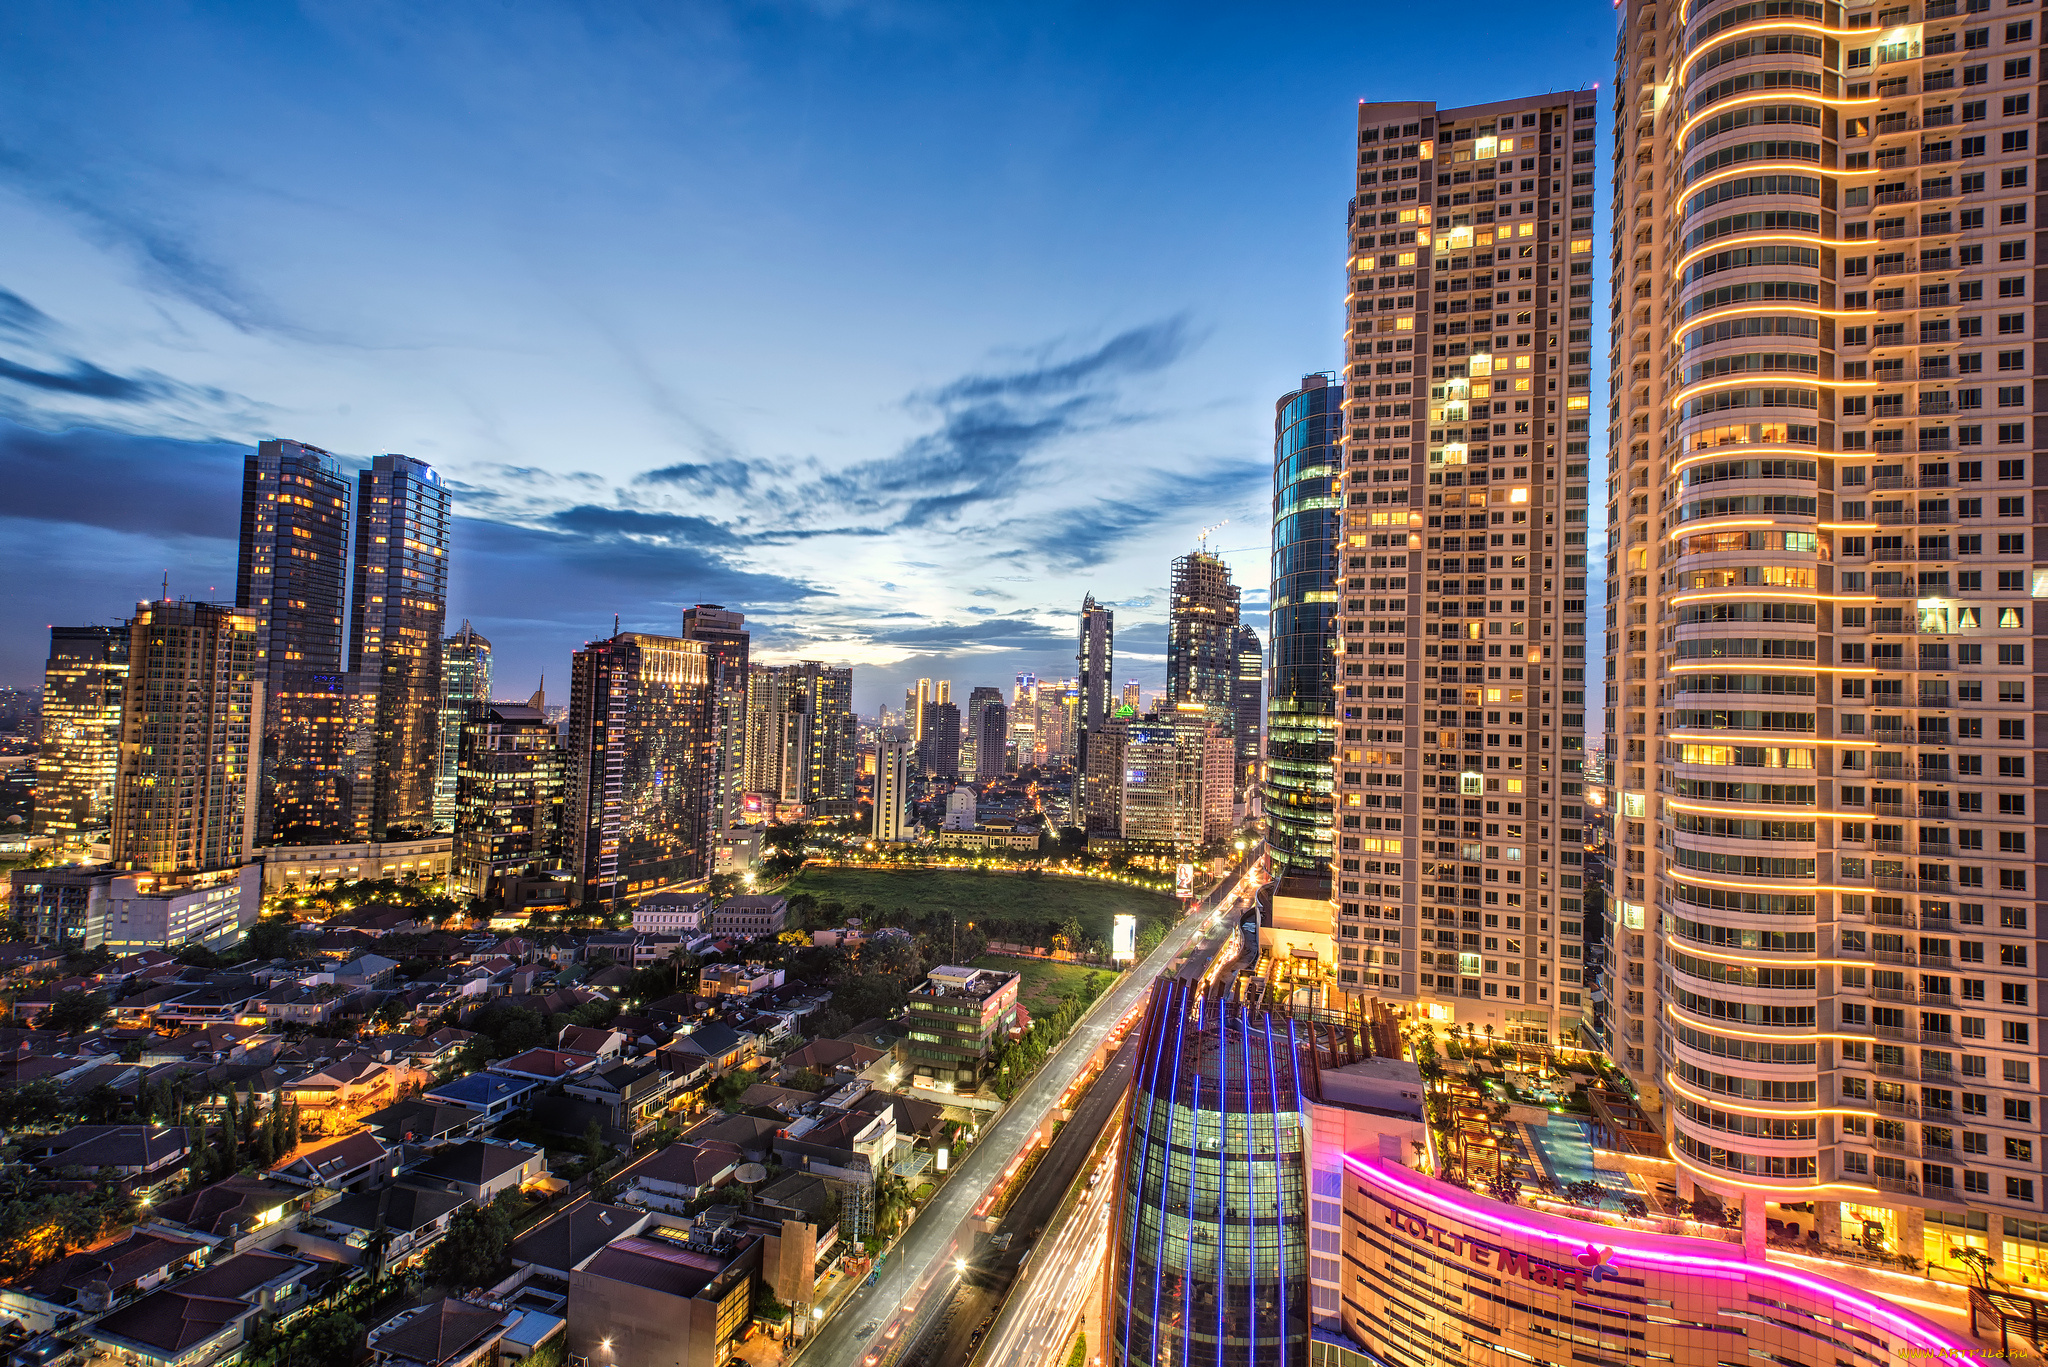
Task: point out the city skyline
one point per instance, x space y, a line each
640 451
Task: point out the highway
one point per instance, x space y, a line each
921 1272
1037 1321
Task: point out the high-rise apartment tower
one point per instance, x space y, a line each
83 684
292 576
725 639
1467 402
1822 551
1201 636
399 609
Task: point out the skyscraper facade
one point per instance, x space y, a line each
1301 701
83 685
1201 637
191 732
1211 1229
803 741
465 682
1464 538
1094 660
893 816
511 782
320 782
938 754
988 727
1247 703
636 820
725 639
1822 539
1024 720
399 610
292 576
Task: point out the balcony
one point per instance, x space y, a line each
1931 404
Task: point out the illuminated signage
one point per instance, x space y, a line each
1593 1263
1123 938
1184 881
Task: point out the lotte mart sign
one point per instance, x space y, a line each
1593 1263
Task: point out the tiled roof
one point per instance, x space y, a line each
447 1330
116 1264
562 1242
401 1206
475 1162
218 1208
341 1158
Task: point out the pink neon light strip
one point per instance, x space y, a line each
1919 1333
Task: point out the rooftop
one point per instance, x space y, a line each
951 980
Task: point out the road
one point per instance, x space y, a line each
922 1262
1037 1321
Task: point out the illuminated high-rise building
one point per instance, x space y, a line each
191 731
1822 680
1133 695
1024 737
399 609
636 817
803 741
1301 701
512 780
938 754
1094 661
465 683
319 791
1247 703
977 740
726 642
292 576
1468 396
1202 642
83 685
893 817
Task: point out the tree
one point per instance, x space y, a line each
76 1012
1977 1263
595 1149
894 952
328 1341
830 1023
474 1249
807 1080
867 995
1068 936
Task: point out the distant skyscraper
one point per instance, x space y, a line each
511 782
83 685
1301 702
292 576
399 610
1102 800
191 731
892 787
1247 702
725 640
802 738
465 682
938 754
1201 637
1133 695
1178 780
1094 659
637 818
984 745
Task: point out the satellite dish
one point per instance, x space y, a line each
751 1174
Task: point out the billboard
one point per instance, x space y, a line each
1123 938
1184 881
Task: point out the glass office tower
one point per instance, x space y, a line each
1211 1230
1301 706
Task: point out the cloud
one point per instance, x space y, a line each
157 486
716 477
83 379
21 318
133 218
1138 351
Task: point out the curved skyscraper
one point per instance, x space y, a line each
1301 704
1212 1228
1823 540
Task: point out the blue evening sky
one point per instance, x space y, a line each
897 327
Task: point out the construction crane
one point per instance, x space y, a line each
1202 537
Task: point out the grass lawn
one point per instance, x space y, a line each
1007 906
1045 983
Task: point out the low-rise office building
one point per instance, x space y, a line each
957 1016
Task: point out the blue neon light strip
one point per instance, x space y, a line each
1136 1149
1251 1186
1279 1204
1180 1020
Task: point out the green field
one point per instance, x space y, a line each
1005 906
1045 983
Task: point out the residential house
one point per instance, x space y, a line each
382 918
203 1318
719 1045
228 1209
670 1178
348 1164
365 970
565 1241
545 1065
751 916
143 1155
737 980
458 1333
480 1169
94 1279
829 1057
591 1039
424 1123
491 1095
636 1093
414 1215
333 1098
672 913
